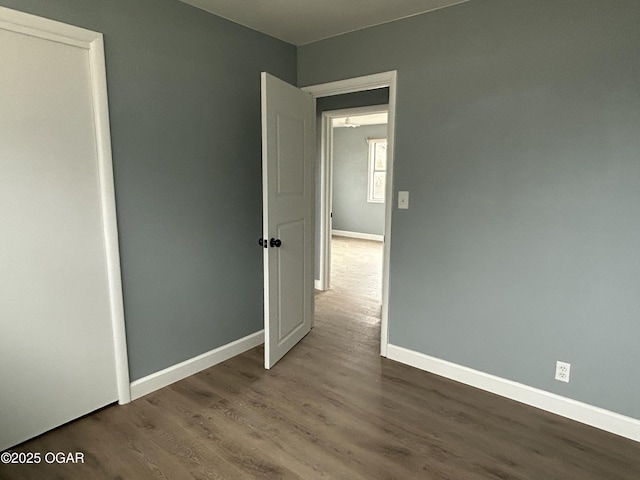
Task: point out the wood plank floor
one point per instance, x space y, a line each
331 409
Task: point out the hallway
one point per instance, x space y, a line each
356 275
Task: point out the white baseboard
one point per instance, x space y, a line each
158 380
317 284
581 412
362 236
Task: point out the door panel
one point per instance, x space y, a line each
290 150
291 296
288 142
56 346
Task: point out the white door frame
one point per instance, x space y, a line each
93 42
326 184
351 85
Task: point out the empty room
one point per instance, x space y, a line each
167 303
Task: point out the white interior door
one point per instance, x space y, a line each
57 350
288 144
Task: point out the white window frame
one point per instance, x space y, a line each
372 151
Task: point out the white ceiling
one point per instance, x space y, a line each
359 120
304 21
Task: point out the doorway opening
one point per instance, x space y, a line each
368 83
356 158
356 143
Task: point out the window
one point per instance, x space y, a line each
377 169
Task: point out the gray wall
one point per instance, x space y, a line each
517 137
184 95
351 210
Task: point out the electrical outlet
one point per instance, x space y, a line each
562 371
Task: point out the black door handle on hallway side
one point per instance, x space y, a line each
275 242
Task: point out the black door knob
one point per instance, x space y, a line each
275 242
262 242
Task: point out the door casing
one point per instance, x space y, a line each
351 85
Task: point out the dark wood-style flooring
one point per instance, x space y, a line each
331 409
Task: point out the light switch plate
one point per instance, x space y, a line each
403 200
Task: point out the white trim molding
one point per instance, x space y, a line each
161 379
362 236
91 41
565 407
109 218
351 85
358 84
